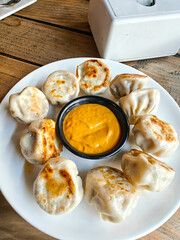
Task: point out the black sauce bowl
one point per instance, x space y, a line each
118 112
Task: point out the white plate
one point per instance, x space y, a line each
17 175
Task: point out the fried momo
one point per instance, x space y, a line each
61 87
140 102
110 191
28 105
146 172
155 136
40 143
58 188
94 76
123 84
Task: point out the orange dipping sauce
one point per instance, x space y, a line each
91 128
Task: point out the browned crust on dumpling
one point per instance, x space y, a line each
146 172
47 172
28 105
48 140
155 136
125 83
112 177
151 159
125 76
61 87
110 191
92 72
45 142
65 174
58 188
166 129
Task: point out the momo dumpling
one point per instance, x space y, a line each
125 83
41 142
94 76
140 102
154 136
28 105
146 172
61 87
58 188
110 191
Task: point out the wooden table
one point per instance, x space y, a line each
51 30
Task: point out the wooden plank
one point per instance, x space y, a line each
170 230
17 228
41 43
69 13
163 70
11 71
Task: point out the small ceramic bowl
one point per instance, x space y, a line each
118 112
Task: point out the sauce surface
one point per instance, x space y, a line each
91 128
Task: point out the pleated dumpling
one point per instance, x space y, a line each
125 83
140 102
94 76
58 188
154 136
146 172
41 142
29 105
61 87
110 191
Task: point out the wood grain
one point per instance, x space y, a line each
166 71
40 43
68 13
16 228
11 71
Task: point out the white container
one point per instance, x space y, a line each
126 30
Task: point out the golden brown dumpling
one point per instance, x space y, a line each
125 83
154 136
61 87
110 191
146 172
58 188
29 105
140 102
94 76
41 142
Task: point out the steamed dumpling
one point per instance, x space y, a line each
146 172
28 105
140 102
61 87
110 191
58 188
41 142
155 136
125 83
93 76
